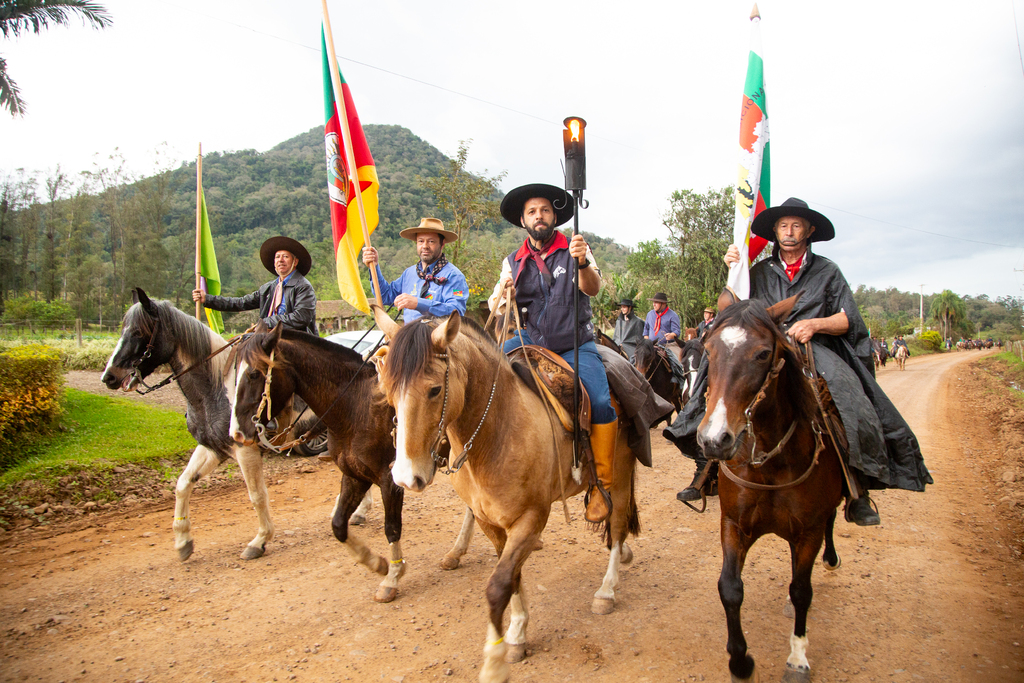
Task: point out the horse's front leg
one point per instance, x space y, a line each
730 590
250 461
358 517
352 492
392 498
202 462
804 551
453 556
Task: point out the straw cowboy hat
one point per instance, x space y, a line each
659 298
282 243
764 223
513 203
709 310
430 225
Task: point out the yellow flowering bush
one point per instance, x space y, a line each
30 393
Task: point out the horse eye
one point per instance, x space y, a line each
434 392
763 356
253 375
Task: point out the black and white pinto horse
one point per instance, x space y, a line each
154 333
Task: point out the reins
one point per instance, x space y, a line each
167 380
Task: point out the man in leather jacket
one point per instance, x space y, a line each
288 299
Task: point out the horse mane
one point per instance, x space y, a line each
792 382
411 349
191 336
251 350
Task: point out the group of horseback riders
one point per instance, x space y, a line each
538 277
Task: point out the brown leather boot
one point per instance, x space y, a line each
602 443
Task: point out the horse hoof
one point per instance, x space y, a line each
796 674
252 552
515 652
602 606
357 520
832 567
185 551
449 563
753 678
382 566
385 594
627 555
538 544
788 611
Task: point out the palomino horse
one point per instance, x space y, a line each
508 461
339 388
901 356
656 368
154 333
780 471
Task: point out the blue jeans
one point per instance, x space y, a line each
592 375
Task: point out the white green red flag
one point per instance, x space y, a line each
754 185
209 273
348 235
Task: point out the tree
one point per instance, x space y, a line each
35 15
469 200
948 309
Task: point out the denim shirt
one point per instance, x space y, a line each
440 300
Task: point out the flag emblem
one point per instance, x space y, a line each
337 180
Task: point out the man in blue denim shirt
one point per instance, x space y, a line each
431 287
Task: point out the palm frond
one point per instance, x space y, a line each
10 96
17 16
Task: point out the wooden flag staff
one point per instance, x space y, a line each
199 223
350 155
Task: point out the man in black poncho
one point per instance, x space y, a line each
883 452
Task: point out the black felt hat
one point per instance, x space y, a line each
282 243
626 302
764 223
659 298
513 203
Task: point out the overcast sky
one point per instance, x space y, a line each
900 121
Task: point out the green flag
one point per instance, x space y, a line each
208 270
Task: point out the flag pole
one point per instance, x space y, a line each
199 222
339 99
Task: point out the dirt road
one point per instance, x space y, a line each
931 595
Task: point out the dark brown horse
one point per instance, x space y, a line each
780 472
654 365
339 388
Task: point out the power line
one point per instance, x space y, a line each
926 232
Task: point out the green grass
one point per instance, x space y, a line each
100 433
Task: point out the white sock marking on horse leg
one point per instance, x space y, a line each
494 669
733 336
611 577
798 652
359 515
337 502
464 537
717 423
520 617
250 461
201 463
396 569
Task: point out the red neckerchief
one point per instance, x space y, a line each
556 242
657 320
794 268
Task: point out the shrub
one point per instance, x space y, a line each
30 396
92 355
931 340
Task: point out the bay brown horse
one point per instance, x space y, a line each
509 462
656 368
780 471
340 389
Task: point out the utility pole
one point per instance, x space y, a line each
922 309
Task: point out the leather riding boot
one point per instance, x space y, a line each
710 485
861 511
602 443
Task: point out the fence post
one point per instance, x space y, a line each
78 331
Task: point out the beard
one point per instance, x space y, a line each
540 232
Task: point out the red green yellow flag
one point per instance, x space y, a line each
348 235
209 273
754 186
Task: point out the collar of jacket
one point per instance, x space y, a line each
559 242
780 266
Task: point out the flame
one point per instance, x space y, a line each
574 129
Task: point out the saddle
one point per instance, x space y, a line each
552 380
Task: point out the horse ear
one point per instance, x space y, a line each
444 333
727 298
780 311
388 326
135 296
269 342
147 304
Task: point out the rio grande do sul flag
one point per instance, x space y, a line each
754 186
348 235
209 280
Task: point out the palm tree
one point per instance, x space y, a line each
35 15
948 309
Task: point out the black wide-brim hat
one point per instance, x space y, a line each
764 223
626 302
513 203
282 243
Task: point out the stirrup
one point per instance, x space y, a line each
871 506
607 499
701 481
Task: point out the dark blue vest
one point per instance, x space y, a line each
548 312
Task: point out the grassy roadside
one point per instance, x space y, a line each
105 449
1010 369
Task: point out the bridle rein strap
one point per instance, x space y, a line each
167 380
